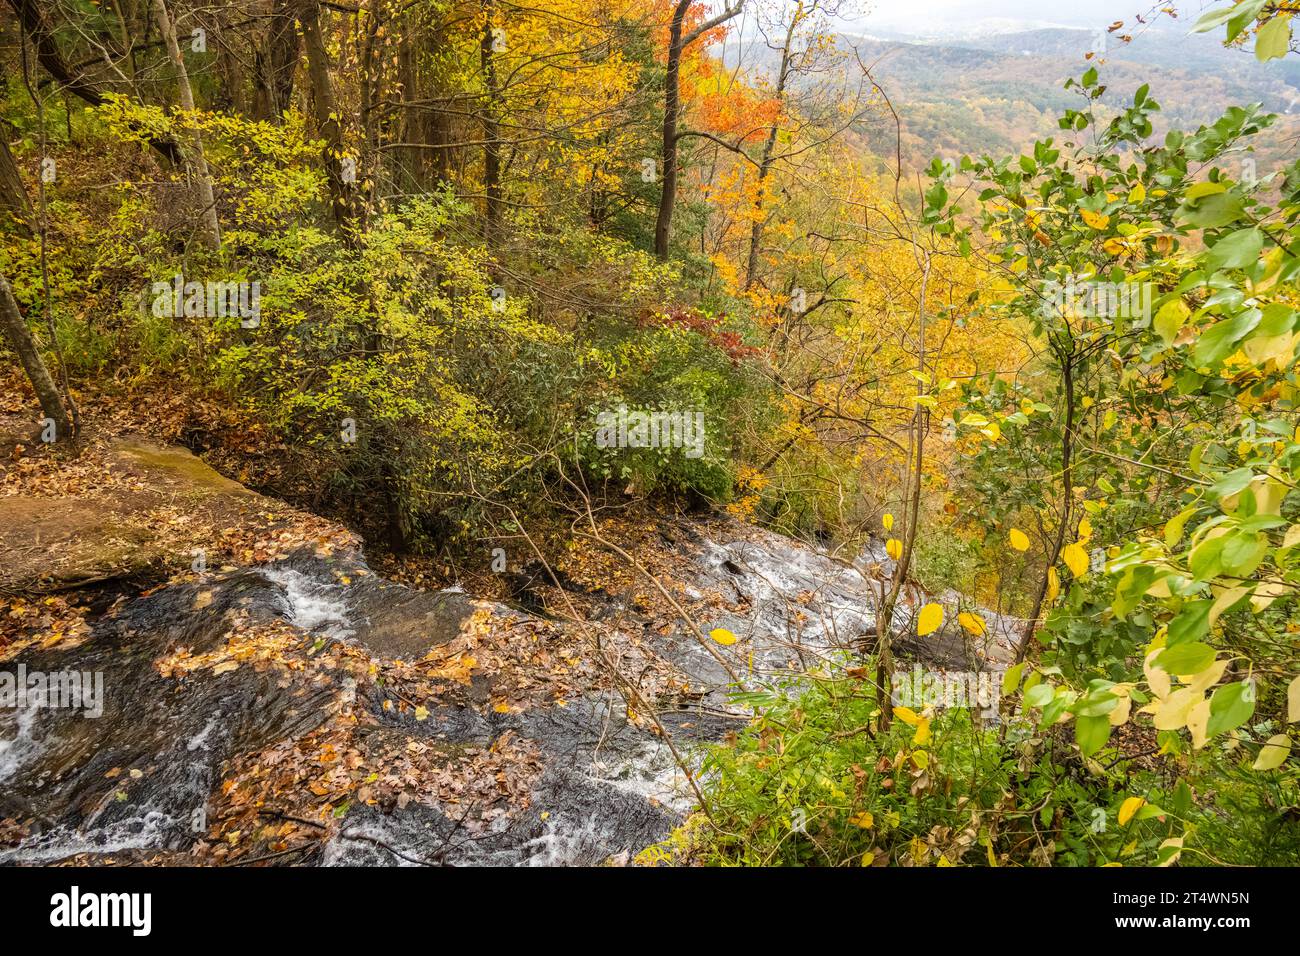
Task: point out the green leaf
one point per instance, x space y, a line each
1039 694
1243 15
1174 528
1185 658
1191 624
1236 250
1242 552
1273 39
1232 482
1210 212
1011 679
1230 707
1207 558
1091 733
1213 18
1220 340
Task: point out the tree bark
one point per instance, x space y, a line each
885 622
276 63
211 232
766 161
1067 499
668 148
677 43
13 195
20 339
327 123
491 138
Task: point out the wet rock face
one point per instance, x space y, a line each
140 774
132 504
307 711
202 680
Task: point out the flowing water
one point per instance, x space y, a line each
140 779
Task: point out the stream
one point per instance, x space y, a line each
190 705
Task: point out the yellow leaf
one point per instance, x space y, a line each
1274 753
1226 599
1085 529
922 735
1096 220
1206 678
1174 710
1157 679
943 861
723 636
1137 193
928 621
863 819
421 713
894 548
1174 842
907 715
972 623
887 520
1053 585
1129 807
1198 722
1076 559
1019 540
1293 700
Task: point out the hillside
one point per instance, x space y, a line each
998 92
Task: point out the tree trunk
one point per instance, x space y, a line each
372 95
202 177
327 123
491 138
765 161
20 339
672 105
668 147
885 622
276 62
1067 498
13 195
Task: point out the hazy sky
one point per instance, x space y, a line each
941 16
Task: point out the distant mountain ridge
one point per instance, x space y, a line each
997 92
